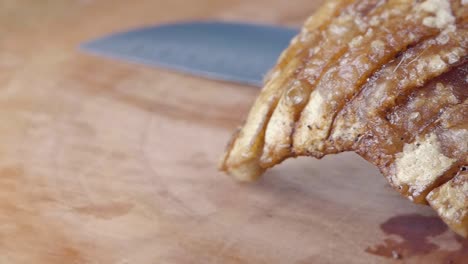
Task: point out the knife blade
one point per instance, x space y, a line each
235 52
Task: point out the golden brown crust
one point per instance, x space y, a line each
386 79
451 202
352 22
242 158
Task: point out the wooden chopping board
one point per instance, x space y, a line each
109 162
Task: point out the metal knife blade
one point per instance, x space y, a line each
236 52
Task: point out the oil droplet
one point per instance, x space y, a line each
295 94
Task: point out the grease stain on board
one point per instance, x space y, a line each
105 211
9 177
415 231
69 254
11 172
459 256
27 235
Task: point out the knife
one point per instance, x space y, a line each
235 52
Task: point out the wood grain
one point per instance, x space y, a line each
108 162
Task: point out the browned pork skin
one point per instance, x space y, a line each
386 79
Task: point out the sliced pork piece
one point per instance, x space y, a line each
386 79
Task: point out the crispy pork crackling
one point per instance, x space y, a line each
385 79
